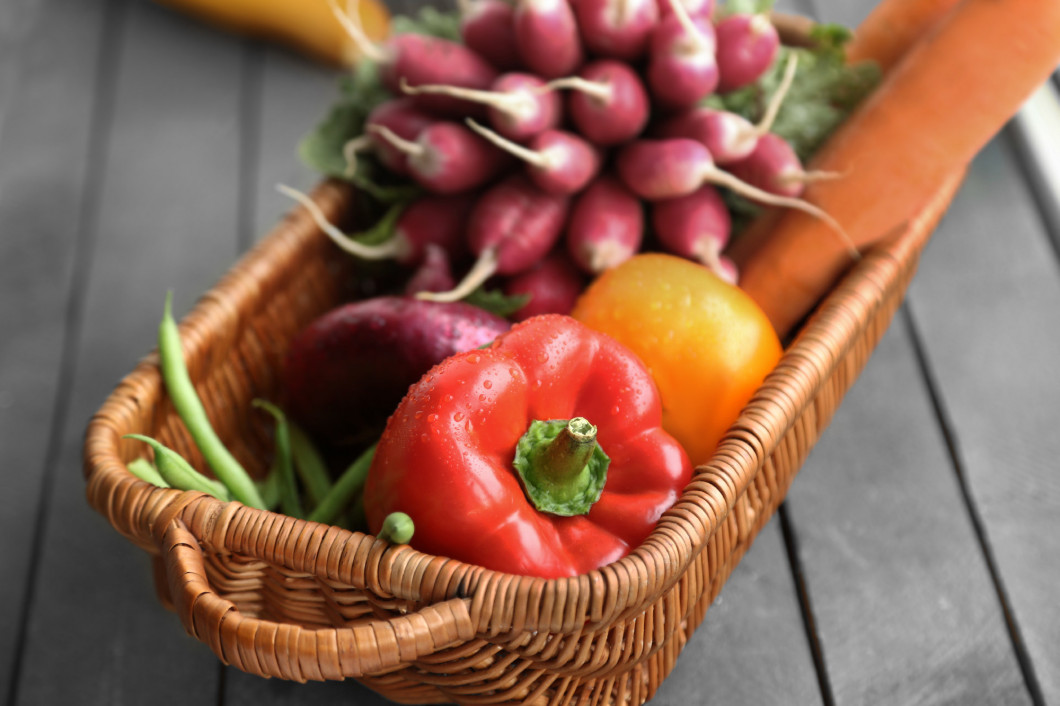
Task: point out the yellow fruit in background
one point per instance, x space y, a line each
707 344
309 26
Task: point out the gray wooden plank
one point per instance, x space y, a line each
751 648
166 219
986 304
901 595
49 71
294 94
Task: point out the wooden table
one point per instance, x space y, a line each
916 559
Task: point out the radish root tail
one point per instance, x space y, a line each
350 19
716 176
482 270
383 251
777 99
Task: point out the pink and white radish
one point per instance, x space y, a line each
729 137
554 285
428 221
558 161
421 59
488 28
518 106
682 69
513 226
547 36
404 118
695 8
774 166
433 274
616 29
609 104
606 226
666 169
698 227
447 158
747 46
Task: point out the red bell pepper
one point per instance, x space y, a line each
456 451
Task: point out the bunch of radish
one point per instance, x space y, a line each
561 137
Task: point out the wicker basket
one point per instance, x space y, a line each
292 599
286 598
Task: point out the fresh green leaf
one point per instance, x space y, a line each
430 21
748 7
359 93
497 302
822 95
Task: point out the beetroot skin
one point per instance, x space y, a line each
347 371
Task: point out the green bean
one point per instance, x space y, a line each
189 407
146 471
309 464
351 481
269 487
178 473
290 503
397 528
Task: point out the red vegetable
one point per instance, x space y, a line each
346 372
554 285
448 455
747 46
488 27
546 33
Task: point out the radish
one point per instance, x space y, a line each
559 162
554 285
447 158
697 227
773 166
695 8
610 104
666 169
404 118
513 225
518 107
617 29
488 28
433 273
606 226
418 59
430 220
682 69
729 137
747 46
546 33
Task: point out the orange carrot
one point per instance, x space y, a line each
892 28
946 98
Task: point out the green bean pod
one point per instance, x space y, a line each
146 471
309 464
178 473
290 502
347 486
189 407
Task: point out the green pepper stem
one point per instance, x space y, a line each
563 459
562 467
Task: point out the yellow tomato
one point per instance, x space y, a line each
707 344
308 25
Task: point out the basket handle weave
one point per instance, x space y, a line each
270 648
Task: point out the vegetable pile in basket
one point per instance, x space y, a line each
579 168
